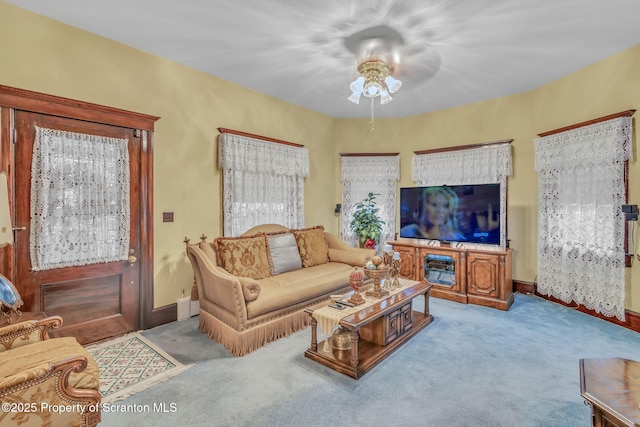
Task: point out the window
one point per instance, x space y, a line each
362 174
581 227
263 182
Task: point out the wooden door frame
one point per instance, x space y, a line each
12 99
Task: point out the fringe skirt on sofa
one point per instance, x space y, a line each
242 343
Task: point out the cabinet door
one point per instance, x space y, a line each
484 275
407 261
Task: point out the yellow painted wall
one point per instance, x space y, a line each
43 55
46 56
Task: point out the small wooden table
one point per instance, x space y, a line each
611 386
376 331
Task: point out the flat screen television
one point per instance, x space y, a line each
455 213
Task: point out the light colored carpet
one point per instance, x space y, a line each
130 364
472 366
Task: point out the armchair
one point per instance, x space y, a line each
46 381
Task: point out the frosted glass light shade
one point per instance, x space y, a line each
385 98
357 85
392 84
372 89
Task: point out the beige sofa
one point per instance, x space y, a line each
253 289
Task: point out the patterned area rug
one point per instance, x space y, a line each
130 364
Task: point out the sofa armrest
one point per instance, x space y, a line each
29 331
218 285
356 257
339 251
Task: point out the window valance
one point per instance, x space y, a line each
482 165
367 168
241 153
596 143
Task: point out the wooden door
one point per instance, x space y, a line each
96 301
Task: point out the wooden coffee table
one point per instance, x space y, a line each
611 387
376 332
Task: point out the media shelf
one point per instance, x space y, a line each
468 276
440 269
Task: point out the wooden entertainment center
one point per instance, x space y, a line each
469 276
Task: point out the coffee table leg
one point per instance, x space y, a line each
426 304
314 334
354 349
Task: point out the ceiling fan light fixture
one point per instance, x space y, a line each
374 80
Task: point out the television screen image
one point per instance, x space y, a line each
456 213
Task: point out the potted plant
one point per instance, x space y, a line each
366 223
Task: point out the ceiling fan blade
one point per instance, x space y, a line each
415 74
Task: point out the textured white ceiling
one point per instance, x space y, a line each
455 52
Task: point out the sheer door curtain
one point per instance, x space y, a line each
581 227
79 199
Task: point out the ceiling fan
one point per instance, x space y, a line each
413 64
385 62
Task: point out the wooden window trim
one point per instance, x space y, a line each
27 100
462 147
627 113
369 154
260 137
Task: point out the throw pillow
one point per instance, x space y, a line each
312 246
283 253
244 256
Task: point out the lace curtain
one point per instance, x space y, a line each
79 199
263 183
581 227
361 175
482 165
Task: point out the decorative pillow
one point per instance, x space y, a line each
312 246
283 253
244 256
